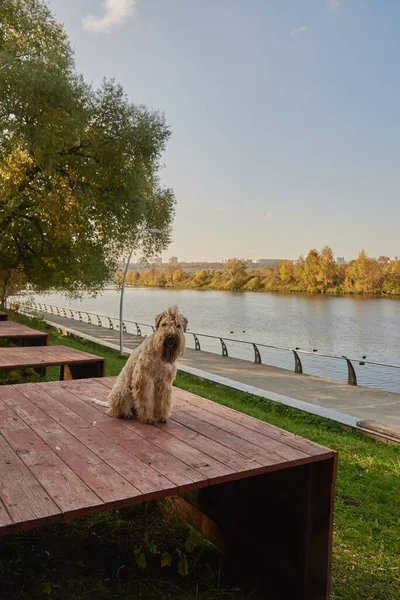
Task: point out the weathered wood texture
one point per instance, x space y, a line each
262 494
21 334
74 363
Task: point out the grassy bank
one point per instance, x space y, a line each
102 557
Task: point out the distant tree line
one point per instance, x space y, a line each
317 273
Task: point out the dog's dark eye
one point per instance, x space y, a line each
164 324
179 326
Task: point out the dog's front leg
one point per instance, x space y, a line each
162 401
143 396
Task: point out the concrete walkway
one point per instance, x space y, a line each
377 410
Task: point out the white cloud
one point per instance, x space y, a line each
268 216
115 13
301 29
333 5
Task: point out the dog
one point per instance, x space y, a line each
144 386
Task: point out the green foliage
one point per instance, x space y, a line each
19 376
146 548
318 273
79 167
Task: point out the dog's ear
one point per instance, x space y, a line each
184 322
159 319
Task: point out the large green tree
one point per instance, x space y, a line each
79 167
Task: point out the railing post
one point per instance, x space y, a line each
224 348
138 331
351 374
80 316
124 329
298 367
196 342
89 320
99 322
72 314
110 323
257 355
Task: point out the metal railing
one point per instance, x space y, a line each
77 314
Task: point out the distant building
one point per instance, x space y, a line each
340 260
173 260
141 261
157 260
265 261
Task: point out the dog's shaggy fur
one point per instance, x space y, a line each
144 386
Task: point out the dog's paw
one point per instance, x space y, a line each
148 421
162 420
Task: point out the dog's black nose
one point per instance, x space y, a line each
172 338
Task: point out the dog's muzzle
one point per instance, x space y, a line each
171 341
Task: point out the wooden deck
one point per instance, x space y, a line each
3 315
268 493
26 336
74 363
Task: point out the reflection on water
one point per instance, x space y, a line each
353 326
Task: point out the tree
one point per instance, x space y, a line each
286 271
253 285
79 167
177 277
201 279
298 271
327 267
236 273
365 275
311 271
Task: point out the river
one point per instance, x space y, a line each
353 326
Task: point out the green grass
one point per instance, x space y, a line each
366 550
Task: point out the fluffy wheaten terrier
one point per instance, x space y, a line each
144 386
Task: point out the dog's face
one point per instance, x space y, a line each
169 337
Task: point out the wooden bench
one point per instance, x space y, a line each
21 334
262 495
3 315
74 364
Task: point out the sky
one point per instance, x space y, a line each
284 115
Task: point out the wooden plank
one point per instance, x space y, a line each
36 356
104 481
115 442
280 449
319 524
177 471
5 519
143 474
10 328
260 457
67 490
20 492
238 438
192 515
269 431
235 461
210 467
